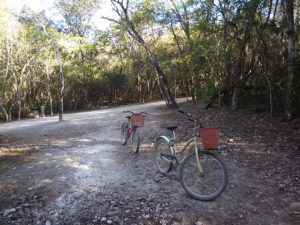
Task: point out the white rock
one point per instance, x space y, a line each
147 216
9 211
199 223
295 205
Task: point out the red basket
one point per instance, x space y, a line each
137 120
209 138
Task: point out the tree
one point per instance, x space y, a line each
122 9
291 57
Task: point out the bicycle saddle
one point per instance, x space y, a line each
169 127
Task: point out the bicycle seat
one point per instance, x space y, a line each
169 127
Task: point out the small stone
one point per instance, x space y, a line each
176 223
199 223
147 216
48 222
158 208
103 219
163 222
9 211
109 221
295 205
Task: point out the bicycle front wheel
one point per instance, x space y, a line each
124 133
163 155
136 139
207 184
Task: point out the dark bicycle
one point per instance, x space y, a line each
129 130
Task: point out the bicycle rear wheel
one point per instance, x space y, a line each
204 186
136 139
124 134
162 151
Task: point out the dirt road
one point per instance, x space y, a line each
77 172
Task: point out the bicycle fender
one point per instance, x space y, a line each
165 138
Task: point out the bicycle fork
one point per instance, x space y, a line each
199 164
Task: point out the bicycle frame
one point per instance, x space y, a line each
130 129
175 150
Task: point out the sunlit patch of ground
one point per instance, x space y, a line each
14 151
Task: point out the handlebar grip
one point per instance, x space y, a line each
181 111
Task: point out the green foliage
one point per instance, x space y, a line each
190 38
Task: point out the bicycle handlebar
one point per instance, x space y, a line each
191 117
134 113
188 114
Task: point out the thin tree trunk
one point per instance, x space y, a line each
266 71
192 87
235 96
49 87
10 113
18 95
139 84
62 85
3 109
291 56
220 97
197 83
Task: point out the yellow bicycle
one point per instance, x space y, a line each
203 174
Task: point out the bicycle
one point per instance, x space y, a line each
130 129
203 174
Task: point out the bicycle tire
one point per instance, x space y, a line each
162 146
136 139
124 135
207 186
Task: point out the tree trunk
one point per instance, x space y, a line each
9 114
49 87
18 95
197 83
240 70
139 84
266 71
6 114
291 56
122 6
163 82
62 85
235 96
